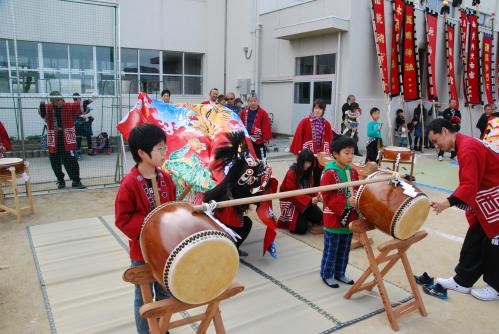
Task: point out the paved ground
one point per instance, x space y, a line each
21 303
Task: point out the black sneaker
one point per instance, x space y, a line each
242 253
452 155
61 184
78 185
424 279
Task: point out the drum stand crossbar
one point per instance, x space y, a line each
400 248
159 313
11 181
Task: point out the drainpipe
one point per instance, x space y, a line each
225 49
337 86
258 56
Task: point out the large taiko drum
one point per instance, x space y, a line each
391 153
188 253
385 205
6 163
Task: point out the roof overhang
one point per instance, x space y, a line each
317 27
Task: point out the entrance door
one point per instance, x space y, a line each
305 92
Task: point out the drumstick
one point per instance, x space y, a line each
350 180
292 193
185 192
155 189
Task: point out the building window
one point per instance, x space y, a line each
4 81
27 54
4 60
104 57
129 60
304 65
315 65
55 56
324 64
183 72
81 57
302 93
172 62
322 90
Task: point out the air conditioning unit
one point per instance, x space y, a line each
244 86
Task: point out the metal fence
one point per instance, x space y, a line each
68 46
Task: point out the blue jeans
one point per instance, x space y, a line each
158 292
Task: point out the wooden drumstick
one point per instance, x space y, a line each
349 178
155 189
185 192
292 193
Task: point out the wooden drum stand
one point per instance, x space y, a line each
10 172
159 313
400 248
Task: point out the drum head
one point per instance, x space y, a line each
10 161
396 149
203 269
410 217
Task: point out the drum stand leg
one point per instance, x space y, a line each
356 243
15 191
159 313
400 247
29 193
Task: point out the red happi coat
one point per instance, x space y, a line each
304 138
292 206
68 113
134 202
478 183
4 138
335 201
261 129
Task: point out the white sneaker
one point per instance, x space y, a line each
486 293
440 158
449 283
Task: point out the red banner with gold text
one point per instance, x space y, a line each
487 67
473 69
463 21
378 16
410 66
451 74
398 16
431 39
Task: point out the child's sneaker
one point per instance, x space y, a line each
273 250
108 151
436 291
330 282
345 279
424 279
450 283
486 293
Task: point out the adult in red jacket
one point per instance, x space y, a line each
213 97
257 122
477 194
314 133
299 212
61 136
5 144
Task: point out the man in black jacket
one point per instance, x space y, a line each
454 115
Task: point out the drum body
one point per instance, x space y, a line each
365 170
391 152
386 206
6 163
188 253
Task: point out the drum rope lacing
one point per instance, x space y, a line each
210 208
